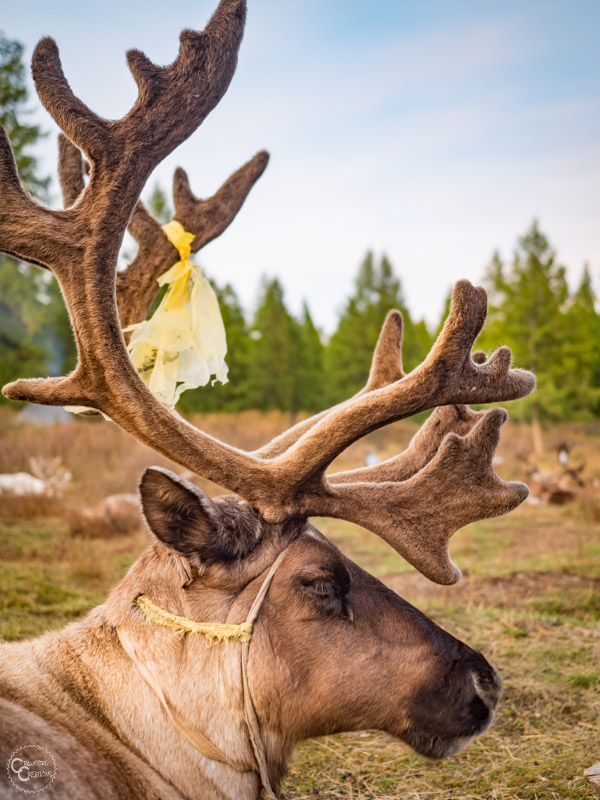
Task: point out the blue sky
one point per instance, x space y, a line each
433 131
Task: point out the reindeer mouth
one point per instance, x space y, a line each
437 747
472 720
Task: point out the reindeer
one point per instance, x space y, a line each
556 487
130 701
47 478
115 515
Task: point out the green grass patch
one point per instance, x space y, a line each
582 680
49 579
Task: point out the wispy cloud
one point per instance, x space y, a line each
434 131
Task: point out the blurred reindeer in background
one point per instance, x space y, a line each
116 515
47 478
556 486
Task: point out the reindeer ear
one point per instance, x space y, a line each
178 513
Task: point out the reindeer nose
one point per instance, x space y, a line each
488 685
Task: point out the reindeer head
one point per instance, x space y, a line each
332 649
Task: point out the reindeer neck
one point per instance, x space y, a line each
95 692
125 720
202 682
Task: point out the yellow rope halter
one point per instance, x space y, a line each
213 630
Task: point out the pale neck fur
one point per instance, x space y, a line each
202 681
84 665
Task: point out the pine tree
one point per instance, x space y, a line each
346 356
528 300
13 109
275 343
418 342
445 311
350 349
580 357
21 355
158 204
310 371
349 352
366 293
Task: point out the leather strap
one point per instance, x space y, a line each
252 723
195 738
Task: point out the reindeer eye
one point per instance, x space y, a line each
320 588
325 597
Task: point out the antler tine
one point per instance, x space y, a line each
171 104
79 123
418 516
421 449
70 170
207 219
28 231
386 367
156 124
448 376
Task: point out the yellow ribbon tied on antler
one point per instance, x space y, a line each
183 344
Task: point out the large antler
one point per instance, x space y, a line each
81 244
441 482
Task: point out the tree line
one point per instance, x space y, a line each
278 360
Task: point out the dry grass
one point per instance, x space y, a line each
30 507
530 599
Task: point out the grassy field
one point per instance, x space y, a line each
530 599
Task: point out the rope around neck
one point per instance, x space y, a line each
213 630
195 738
156 615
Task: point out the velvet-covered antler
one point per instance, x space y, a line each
207 219
386 368
81 244
443 481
